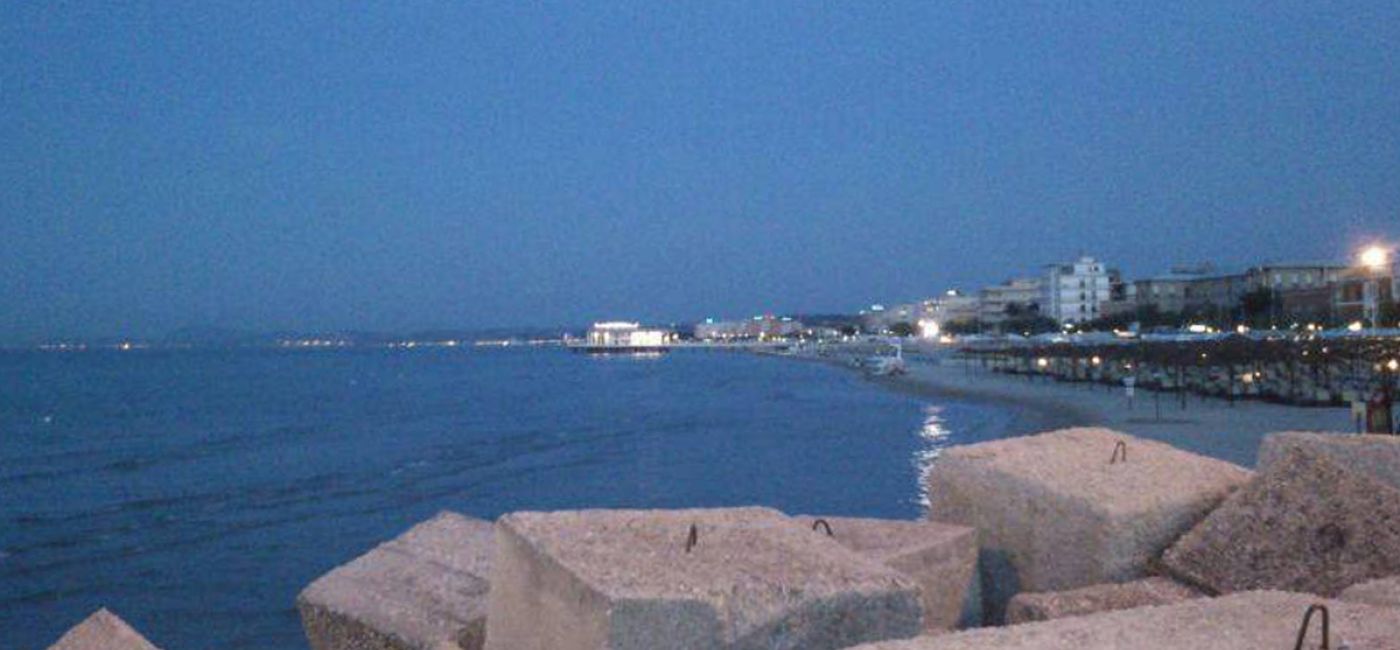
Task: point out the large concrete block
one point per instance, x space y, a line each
426 589
1375 456
1053 512
1303 525
1257 620
632 580
102 630
1381 591
1029 606
940 558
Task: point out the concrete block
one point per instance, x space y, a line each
426 589
1029 606
631 580
1257 620
1382 591
1376 456
940 558
102 630
1053 513
1304 525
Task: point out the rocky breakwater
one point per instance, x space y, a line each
1075 507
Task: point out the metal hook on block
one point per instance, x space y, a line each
1120 445
1307 620
823 523
692 538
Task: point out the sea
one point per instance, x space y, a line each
195 493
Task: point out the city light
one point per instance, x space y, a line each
1375 257
929 329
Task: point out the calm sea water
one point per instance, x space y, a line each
195 493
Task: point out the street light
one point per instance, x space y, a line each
1374 258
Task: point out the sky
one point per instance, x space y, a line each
396 166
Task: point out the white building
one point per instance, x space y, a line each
1076 293
624 335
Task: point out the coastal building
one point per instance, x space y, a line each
1215 296
877 319
1122 296
621 335
1363 294
1164 293
757 328
952 308
1297 291
999 302
1076 292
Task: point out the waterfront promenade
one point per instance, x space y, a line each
1209 426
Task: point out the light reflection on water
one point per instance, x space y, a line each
935 435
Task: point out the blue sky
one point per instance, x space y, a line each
311 165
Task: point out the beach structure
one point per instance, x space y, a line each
677 579
1335 367
1044 606
103 630
1305 523
940 558
625 338
1074 507
1247 621
423 590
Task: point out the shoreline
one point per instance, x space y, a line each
1209 426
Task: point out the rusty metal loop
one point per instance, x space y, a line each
692 538
1116 447
823 523
1307 619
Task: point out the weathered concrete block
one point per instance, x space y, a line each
1303 525
426 589
1029 606
1254 620
1376 456
940 558
630 580
1382 591
1053 513
103 630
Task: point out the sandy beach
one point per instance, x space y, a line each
1209 426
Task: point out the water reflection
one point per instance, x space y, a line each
935 435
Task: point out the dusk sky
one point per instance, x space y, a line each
329 165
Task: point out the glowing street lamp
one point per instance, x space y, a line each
1374 257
